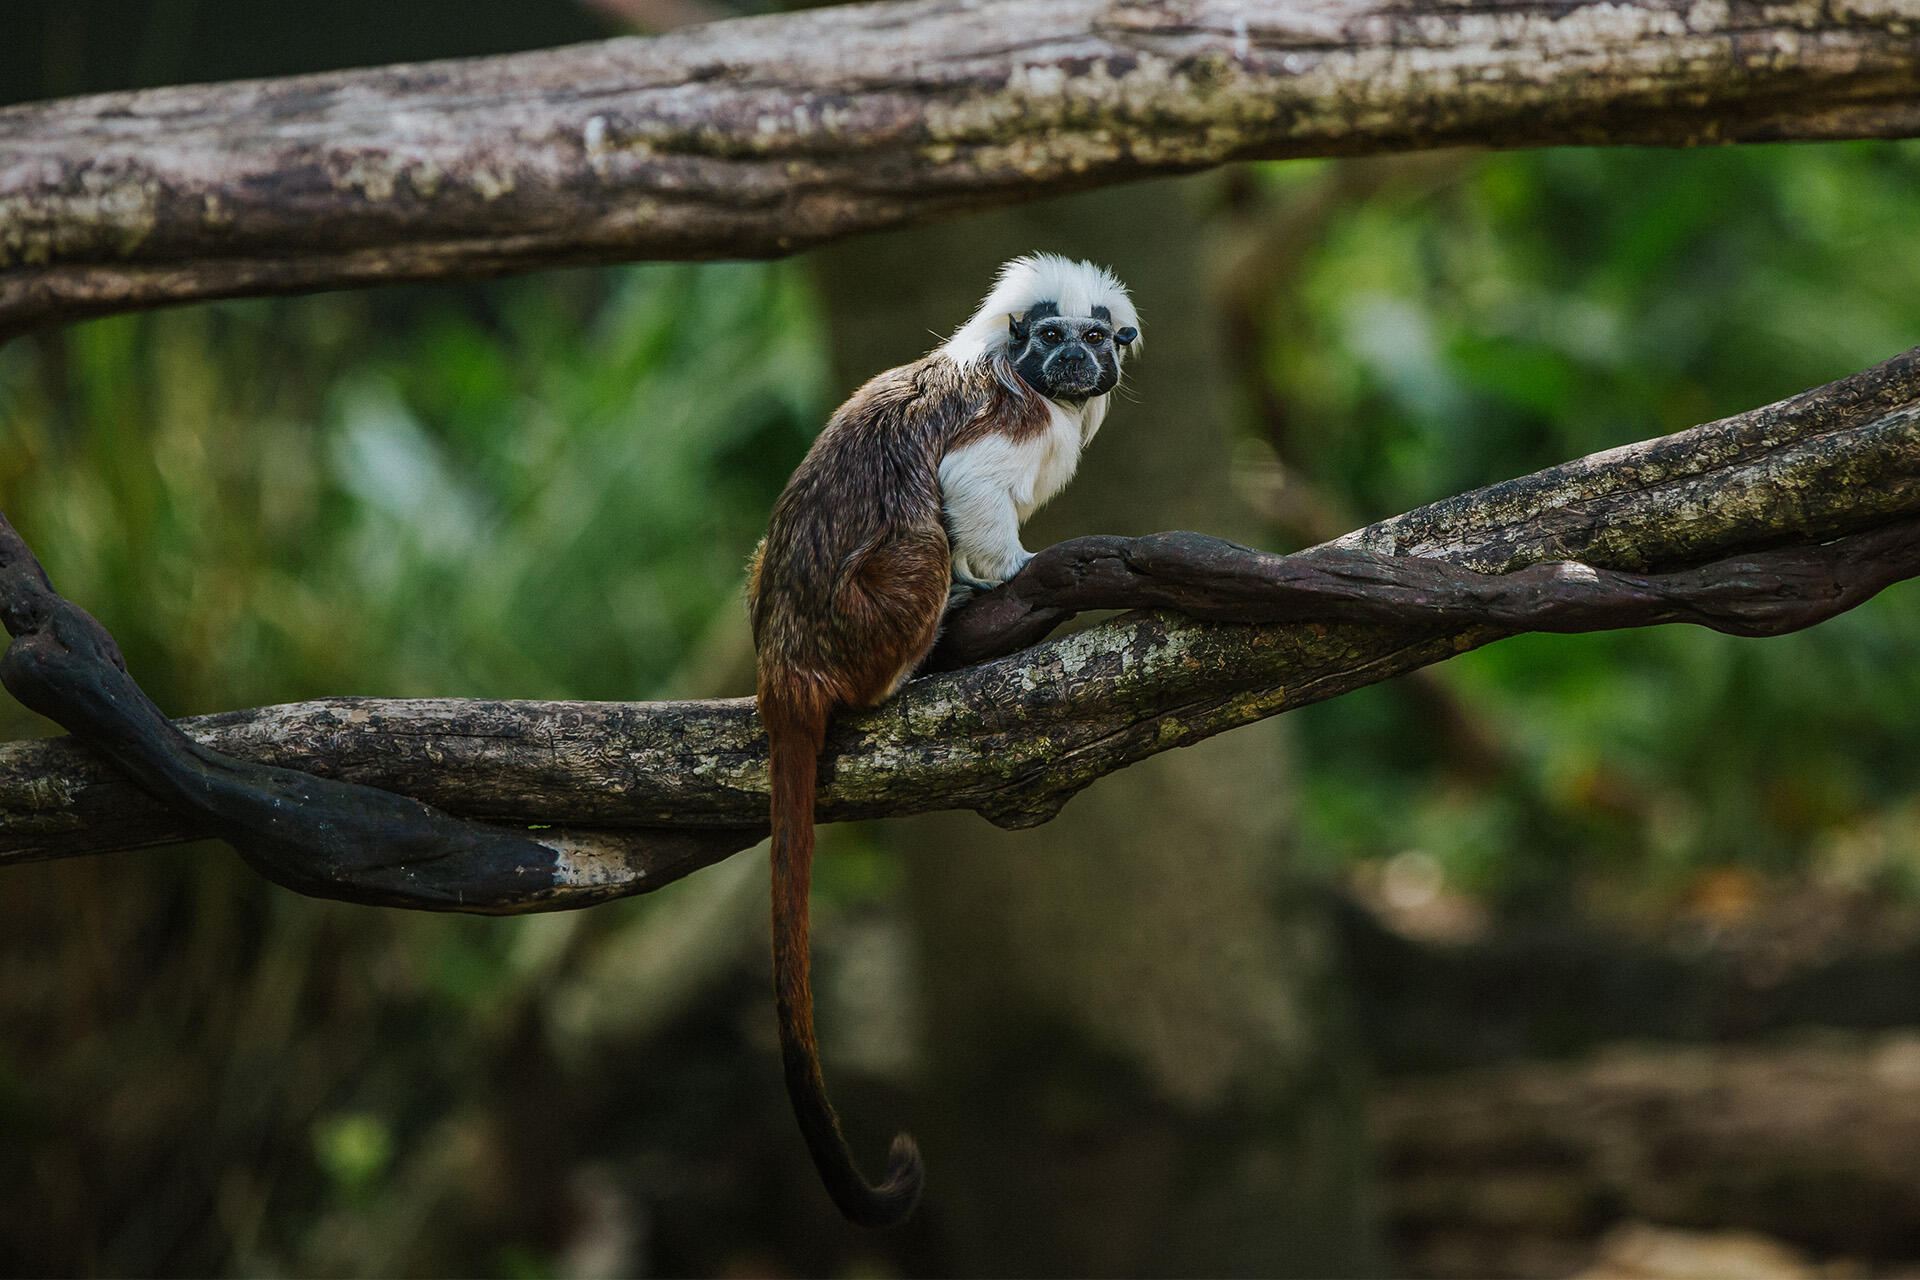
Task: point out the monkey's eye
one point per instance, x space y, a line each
1053 333
1096 336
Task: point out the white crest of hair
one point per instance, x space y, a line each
1074 287
992 484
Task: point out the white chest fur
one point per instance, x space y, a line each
1057 454
992 484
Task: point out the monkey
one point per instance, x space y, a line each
911 498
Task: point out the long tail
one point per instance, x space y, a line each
795 734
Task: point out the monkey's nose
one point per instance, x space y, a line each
1074 370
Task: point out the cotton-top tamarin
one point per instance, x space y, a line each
914 491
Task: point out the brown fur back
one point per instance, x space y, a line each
850 583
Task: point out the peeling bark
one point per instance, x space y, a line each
1756 524
759 136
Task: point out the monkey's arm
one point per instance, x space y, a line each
978 485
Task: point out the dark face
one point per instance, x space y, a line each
1068 358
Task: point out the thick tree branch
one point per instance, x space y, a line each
1755 524
758 136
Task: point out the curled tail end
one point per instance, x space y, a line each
795 730
887 1205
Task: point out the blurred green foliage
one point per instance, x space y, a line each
1530 307
538 490
1522 309
355 1149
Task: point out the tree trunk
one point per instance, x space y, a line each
1133 1060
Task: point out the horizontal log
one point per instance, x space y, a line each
759 136
1513 1170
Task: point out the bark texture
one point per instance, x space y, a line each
759 136
1760 523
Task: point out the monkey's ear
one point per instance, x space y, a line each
1125 336
1018 329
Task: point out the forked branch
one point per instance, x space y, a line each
1755 525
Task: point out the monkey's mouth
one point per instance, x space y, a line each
1075 384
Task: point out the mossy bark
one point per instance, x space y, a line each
759 136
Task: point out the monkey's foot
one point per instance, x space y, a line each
960 592
965 587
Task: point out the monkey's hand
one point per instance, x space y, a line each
965 584
983 572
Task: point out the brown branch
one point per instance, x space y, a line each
758 136
1756 524
1768 593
